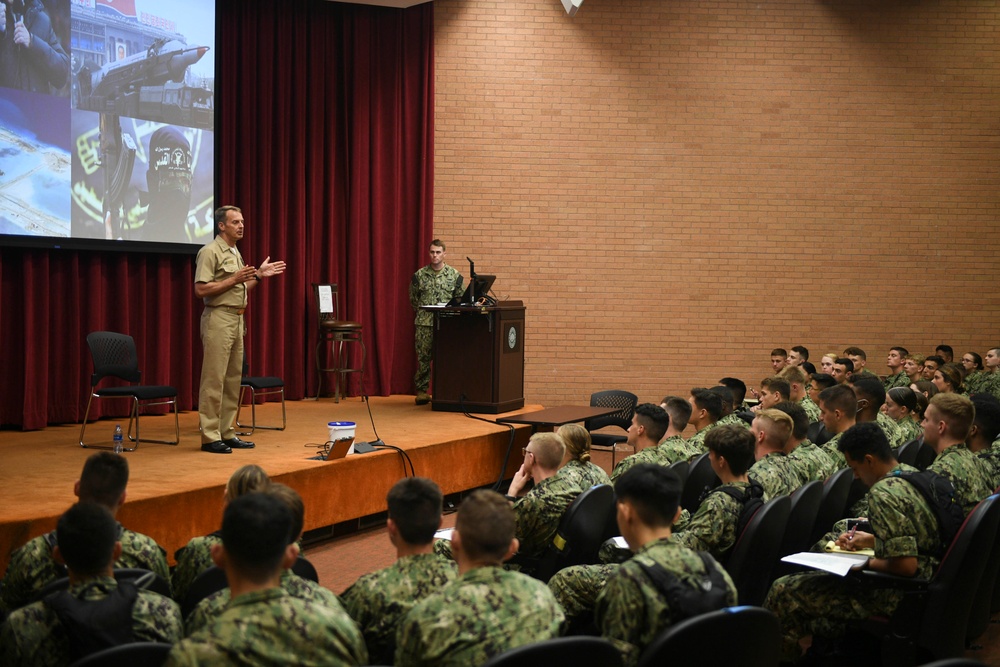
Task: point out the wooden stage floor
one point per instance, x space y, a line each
175 492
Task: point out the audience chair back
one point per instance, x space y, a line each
817 434
214 579
143 579
581 531
114 356
337 333
147 654
855 493
801 518
979 616
744 636
612 398
931 620
700 478
833 504
907 452
682 469
755 553
259 386
579 651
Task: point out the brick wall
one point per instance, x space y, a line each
674 187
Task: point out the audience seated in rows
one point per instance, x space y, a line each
96 611
103 481
811 461
655 435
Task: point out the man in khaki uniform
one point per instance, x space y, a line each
223 281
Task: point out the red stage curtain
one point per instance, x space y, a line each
325 140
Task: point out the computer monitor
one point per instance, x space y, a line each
482 284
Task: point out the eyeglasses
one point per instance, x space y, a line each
525 451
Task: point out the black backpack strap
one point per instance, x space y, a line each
94 625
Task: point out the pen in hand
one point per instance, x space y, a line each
850 535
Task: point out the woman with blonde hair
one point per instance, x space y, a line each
196 556
577 461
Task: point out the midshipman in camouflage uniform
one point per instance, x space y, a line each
432 284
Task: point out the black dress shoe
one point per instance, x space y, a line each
217 447
236 443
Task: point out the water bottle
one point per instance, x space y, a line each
118 439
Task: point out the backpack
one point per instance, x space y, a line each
94 625
752 500
684 600
939 493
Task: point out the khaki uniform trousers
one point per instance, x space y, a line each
222 332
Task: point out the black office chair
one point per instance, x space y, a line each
700 477
682 469
907 452
147 654
581 651
259 386
580 533
801 519
744 636
114 355
817 433
833 504
612 398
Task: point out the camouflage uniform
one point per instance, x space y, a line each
991 458
991 384
900 379
270 627
823 604
697 441
586 474
732 418
483 613
631 611
909 429
859 509
777 474
974 382
713 526
538 514
379 601
891 430
33 635
812 410
212 607
576 588
429 287
673 449
192 559
830 449
970 475
32 567
812 461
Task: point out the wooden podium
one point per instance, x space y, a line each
478 358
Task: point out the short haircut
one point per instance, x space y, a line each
256 532
778 385
577 441
439 243
653 418
86 534
903 352
823 380
738 387
247 478
296 506
903 397
733 443
485 524
726 395
777 426
793 374
936 359
840 397
987 415
865 438
415 507
800 420
957 411
679 411
856 352
870 387
654 491
916 358
952 375
803 352
708 401
779 351
222 212
947 349
549 449
104 478
845 362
